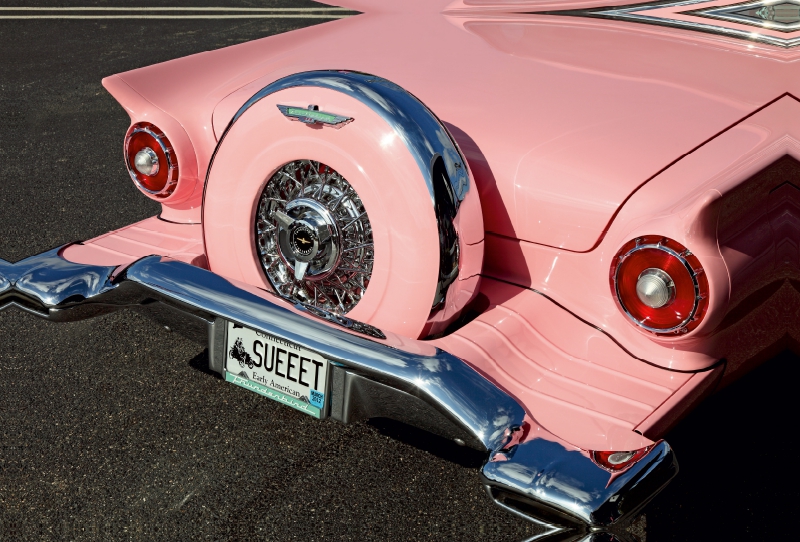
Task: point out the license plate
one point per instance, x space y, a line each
277 368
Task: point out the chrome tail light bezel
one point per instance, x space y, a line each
169 153
688 261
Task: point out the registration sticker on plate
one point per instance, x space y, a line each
276 368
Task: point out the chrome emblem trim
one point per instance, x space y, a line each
781 16
767 17
313 115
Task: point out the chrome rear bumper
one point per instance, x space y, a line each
410 381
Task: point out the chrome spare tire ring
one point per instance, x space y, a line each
314 238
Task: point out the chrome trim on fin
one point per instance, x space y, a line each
313 115
715 16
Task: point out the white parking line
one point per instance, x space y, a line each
219 13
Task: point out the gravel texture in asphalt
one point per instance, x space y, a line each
114 429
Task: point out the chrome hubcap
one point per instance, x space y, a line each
314 237
308 239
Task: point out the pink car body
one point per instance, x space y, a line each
581 132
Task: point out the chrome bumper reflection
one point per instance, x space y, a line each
410 381
578 492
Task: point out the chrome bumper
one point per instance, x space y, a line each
544 479
397 378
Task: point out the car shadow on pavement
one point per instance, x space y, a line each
200 363
407 434
739 477
433 444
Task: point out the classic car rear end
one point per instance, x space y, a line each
543 235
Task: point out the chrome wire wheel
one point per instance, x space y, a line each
313 237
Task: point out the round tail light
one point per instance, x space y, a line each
660 285
150 160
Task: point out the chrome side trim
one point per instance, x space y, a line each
633 13
423 134
746 13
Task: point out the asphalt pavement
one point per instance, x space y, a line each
113 428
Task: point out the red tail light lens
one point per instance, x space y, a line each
150 160
660 285
618 461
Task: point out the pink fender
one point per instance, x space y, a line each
681 203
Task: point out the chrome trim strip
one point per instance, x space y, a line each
630 13
422 132
732 13
539 478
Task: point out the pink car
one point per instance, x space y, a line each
457 214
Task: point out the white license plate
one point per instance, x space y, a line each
276 368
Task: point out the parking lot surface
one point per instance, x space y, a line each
114 429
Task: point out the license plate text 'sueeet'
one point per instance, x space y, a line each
276 368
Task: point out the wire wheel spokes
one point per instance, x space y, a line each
339 272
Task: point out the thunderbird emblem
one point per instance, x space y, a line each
313 115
